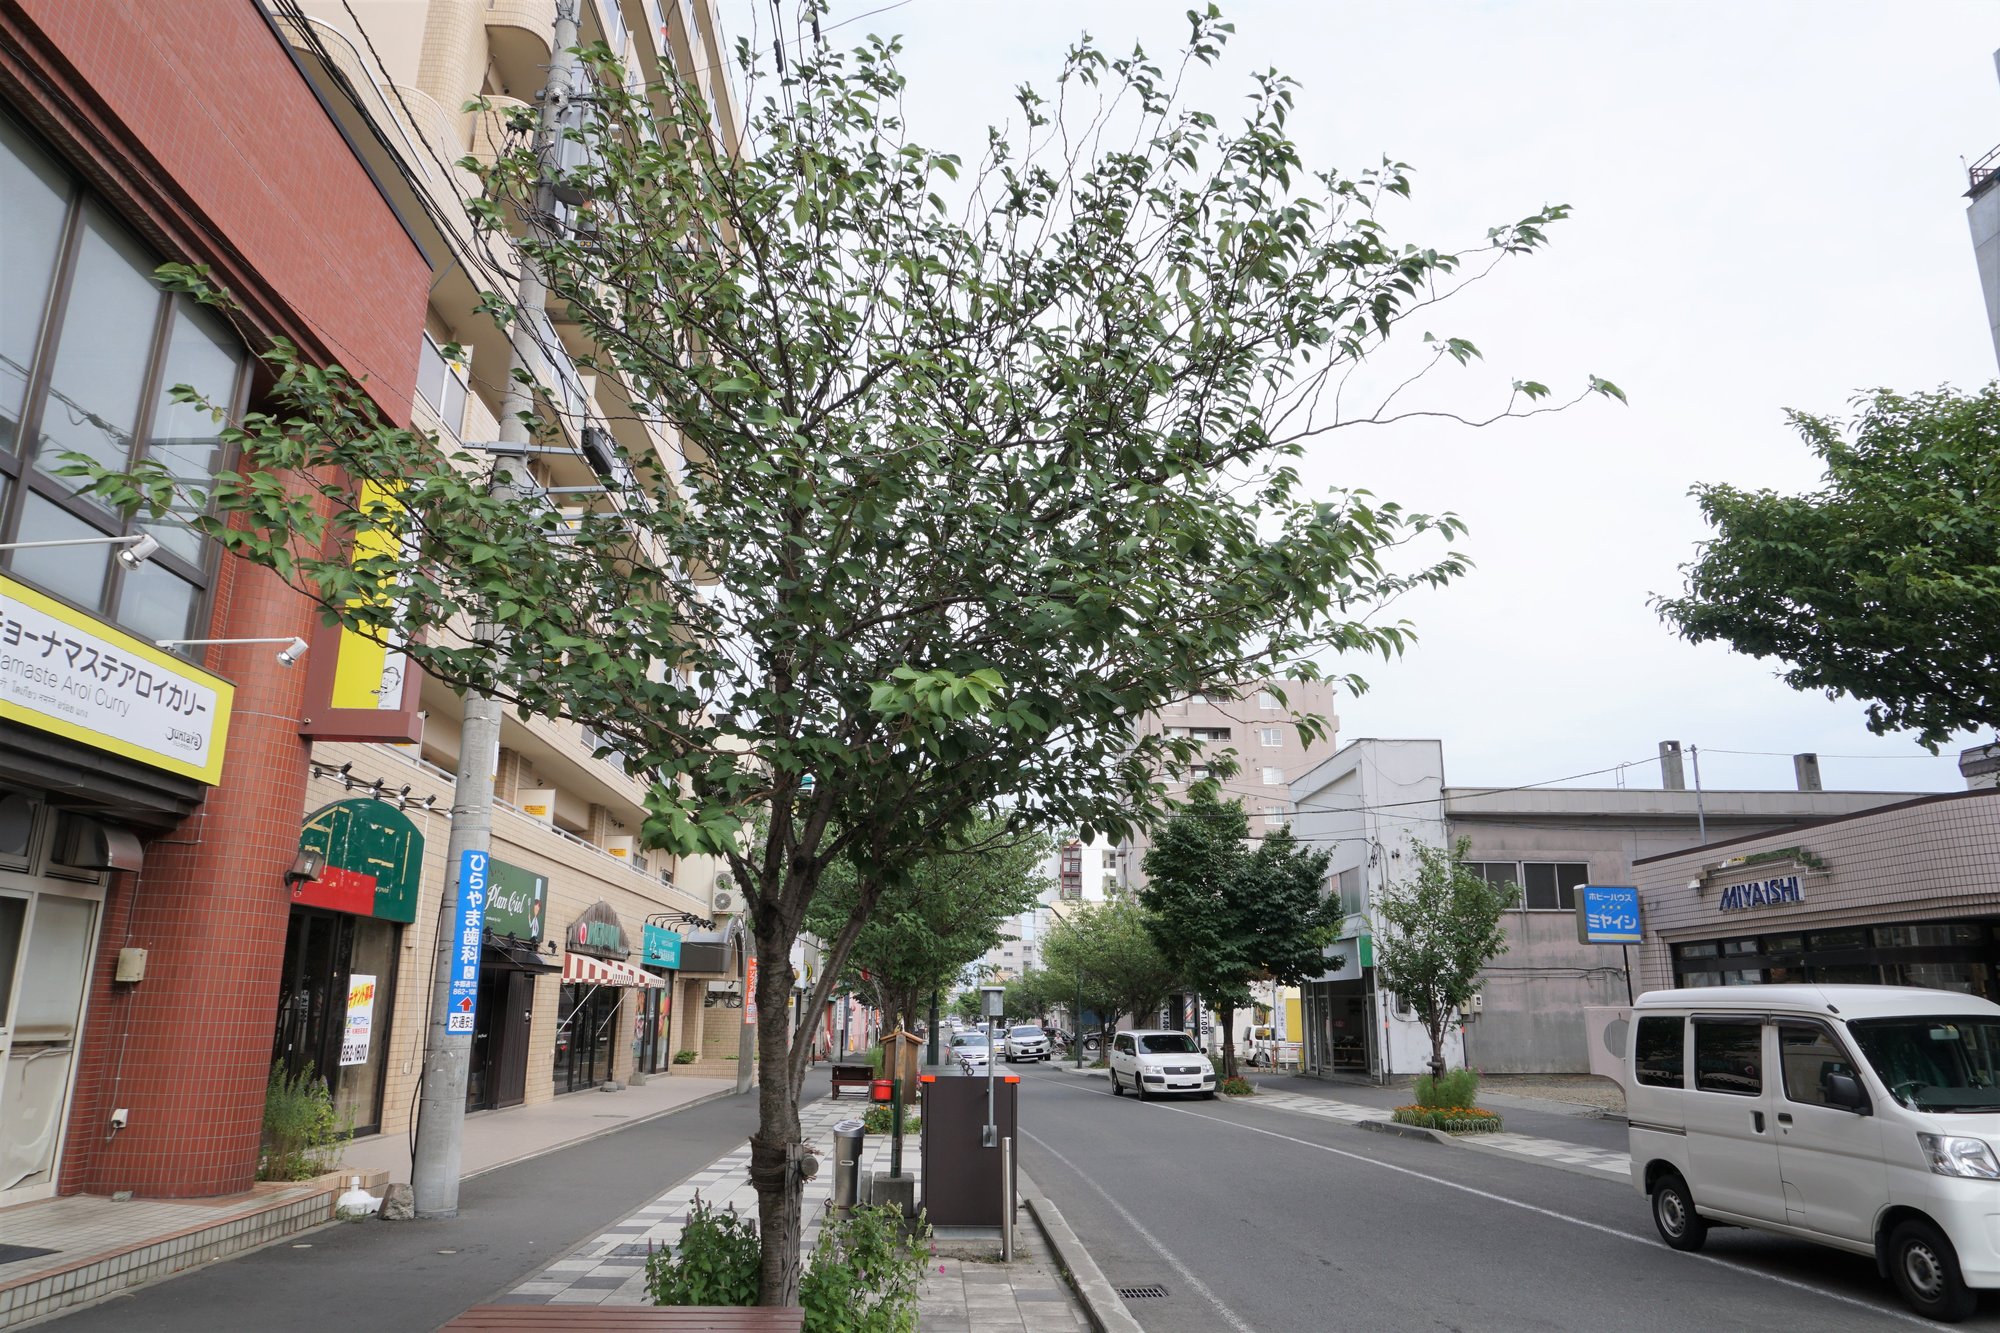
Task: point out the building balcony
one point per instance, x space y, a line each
519 37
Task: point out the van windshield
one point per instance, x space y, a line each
1935 1064
1168 1043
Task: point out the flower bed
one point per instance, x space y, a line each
1450 1119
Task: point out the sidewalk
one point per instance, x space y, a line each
960 1295
496 1138
69 1251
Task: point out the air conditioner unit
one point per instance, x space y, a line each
725 900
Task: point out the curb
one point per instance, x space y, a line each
1085 1072
1406 1131
1100 1299
702 1100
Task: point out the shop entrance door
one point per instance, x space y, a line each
499 1073
45 946
338 967
585 1039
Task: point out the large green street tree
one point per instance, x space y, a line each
1105 953
1442 927
954 468
1883 584
1225 915
935 918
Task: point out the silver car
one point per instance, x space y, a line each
969 1049
1026 1042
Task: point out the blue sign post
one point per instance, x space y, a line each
463 1009
1608 914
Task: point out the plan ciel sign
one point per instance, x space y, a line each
1778 891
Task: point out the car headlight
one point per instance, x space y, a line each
1953 1155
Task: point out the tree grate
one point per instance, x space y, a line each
1139 1293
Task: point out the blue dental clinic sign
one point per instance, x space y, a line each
1774 892
1608 914
463 1008
662 947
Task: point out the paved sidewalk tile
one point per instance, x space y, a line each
959 1296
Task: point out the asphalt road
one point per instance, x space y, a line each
410 1277
1262 1220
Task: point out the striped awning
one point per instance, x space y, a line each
606 972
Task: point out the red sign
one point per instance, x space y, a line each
750 996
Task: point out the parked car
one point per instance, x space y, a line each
969 1049
1866 1118
1028 1041
1153 1062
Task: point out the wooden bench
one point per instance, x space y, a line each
630 1319
852 1076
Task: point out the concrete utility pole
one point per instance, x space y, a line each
434 1166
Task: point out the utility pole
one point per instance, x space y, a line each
1700 815
434 1165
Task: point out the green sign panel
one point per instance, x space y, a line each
374 860
515 899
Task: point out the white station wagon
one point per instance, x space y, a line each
1154 1062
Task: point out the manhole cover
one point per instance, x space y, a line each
1140 1293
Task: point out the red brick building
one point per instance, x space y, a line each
150 795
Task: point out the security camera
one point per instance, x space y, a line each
120 1118
291 653
138 552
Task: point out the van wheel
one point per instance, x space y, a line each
1926 1271
1117 1088
1679 1224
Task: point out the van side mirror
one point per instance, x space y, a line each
1844 1091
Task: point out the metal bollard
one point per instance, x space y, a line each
847 1140
1007 1200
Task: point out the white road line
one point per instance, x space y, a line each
1229 1316
1886 1311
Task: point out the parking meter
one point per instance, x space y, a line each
990 1004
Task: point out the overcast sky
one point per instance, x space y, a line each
1768 214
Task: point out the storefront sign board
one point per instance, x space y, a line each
71 673
515 899
461 1012
357 688
374 860
1608 914
750 996
598 932
360 1020
662 946
1775 892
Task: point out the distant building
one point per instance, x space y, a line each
1983 213
1373 799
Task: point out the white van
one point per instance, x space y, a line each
1862 1117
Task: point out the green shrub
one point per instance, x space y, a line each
1238 1087
1450 1119
1458 1087
685 1057
303 1134
880 1119
861 1277
863 1274
715 1262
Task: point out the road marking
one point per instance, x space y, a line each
1648 1241
1229 1316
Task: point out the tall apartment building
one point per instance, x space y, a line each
1256 730
600 960
163 939
1983 214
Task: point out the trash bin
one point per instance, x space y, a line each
847 1139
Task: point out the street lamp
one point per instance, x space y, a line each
139 546
288 656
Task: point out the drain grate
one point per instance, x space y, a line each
1140 1293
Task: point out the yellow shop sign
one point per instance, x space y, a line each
72 674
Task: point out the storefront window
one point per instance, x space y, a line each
335 1002
1908 937
91 348
1840 939
586 1035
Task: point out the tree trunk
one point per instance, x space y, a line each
1437 1049
1229 1039
775 1145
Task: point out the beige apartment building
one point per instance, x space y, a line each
600 961
1255 728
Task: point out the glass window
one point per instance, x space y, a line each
1551 886
1168 1043
1908 937
75 572
13 915
155 603
1271 736
101 354
1807 1054
202 355
1658 1052
1948 1063
1701 978
1267 700
1728 1057
1840 939
1739 946
1784 943
1705 950
34 199
1274 777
